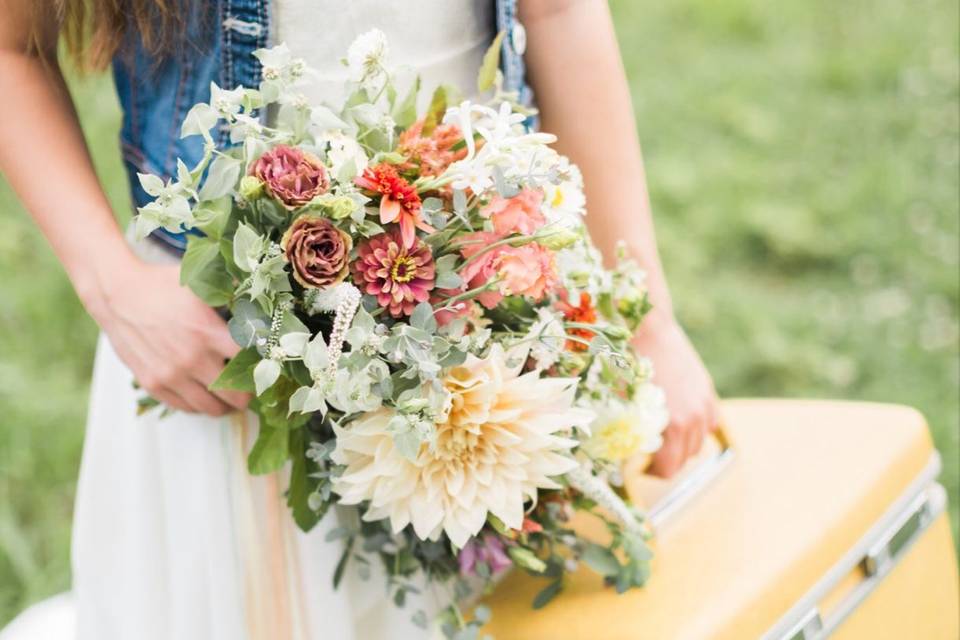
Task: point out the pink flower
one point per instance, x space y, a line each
291 175
400 277
483 269
489 549
527 270
399 201
519 214
317 251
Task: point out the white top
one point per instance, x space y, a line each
442 40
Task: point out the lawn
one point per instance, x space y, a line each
802 158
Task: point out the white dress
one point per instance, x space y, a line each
172 539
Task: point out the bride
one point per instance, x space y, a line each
172 539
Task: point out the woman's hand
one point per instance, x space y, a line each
691 398
174 343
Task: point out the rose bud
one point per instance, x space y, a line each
317 251
291 175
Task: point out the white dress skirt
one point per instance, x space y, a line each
172 538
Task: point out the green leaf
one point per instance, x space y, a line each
438 107
491 63
238 374
600 559
405 112
199 120
221 178
270 451
203 270
422 317
301 484
247 323
342 563
212 217
547 594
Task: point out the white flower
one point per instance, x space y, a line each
367 57
345 156
470 174
226 102
622 429
501 442
327 300
547 338
279 64
564 202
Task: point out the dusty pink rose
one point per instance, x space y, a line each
398 276
528 270
519 214
317 251
291 175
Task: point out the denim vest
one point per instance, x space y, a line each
155 95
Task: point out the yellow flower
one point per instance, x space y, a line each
505 438
623 430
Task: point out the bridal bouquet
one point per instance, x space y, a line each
430 336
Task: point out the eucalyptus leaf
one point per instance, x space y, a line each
601 559
547 594
248 323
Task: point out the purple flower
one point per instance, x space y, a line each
488 549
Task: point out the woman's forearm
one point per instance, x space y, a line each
577 75
44 157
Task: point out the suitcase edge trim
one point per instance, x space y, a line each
919 506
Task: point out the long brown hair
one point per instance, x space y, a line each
94 30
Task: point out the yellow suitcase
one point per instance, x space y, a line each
824 519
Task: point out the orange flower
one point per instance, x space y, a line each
399 201
432 153
584 313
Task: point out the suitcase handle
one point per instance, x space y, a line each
690 482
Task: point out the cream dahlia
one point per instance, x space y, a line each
504 438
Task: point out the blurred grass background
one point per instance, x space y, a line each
802 160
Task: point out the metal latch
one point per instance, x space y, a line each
901 533
807 628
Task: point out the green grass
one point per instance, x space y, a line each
803 163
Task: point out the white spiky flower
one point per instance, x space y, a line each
367 58
505 438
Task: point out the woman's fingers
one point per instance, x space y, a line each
200 399
208 370
669 458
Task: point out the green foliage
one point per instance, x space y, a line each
802 162
238 374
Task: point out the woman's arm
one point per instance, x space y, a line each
578 78
172 342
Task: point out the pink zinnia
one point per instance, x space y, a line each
519 214
399 276
399 201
